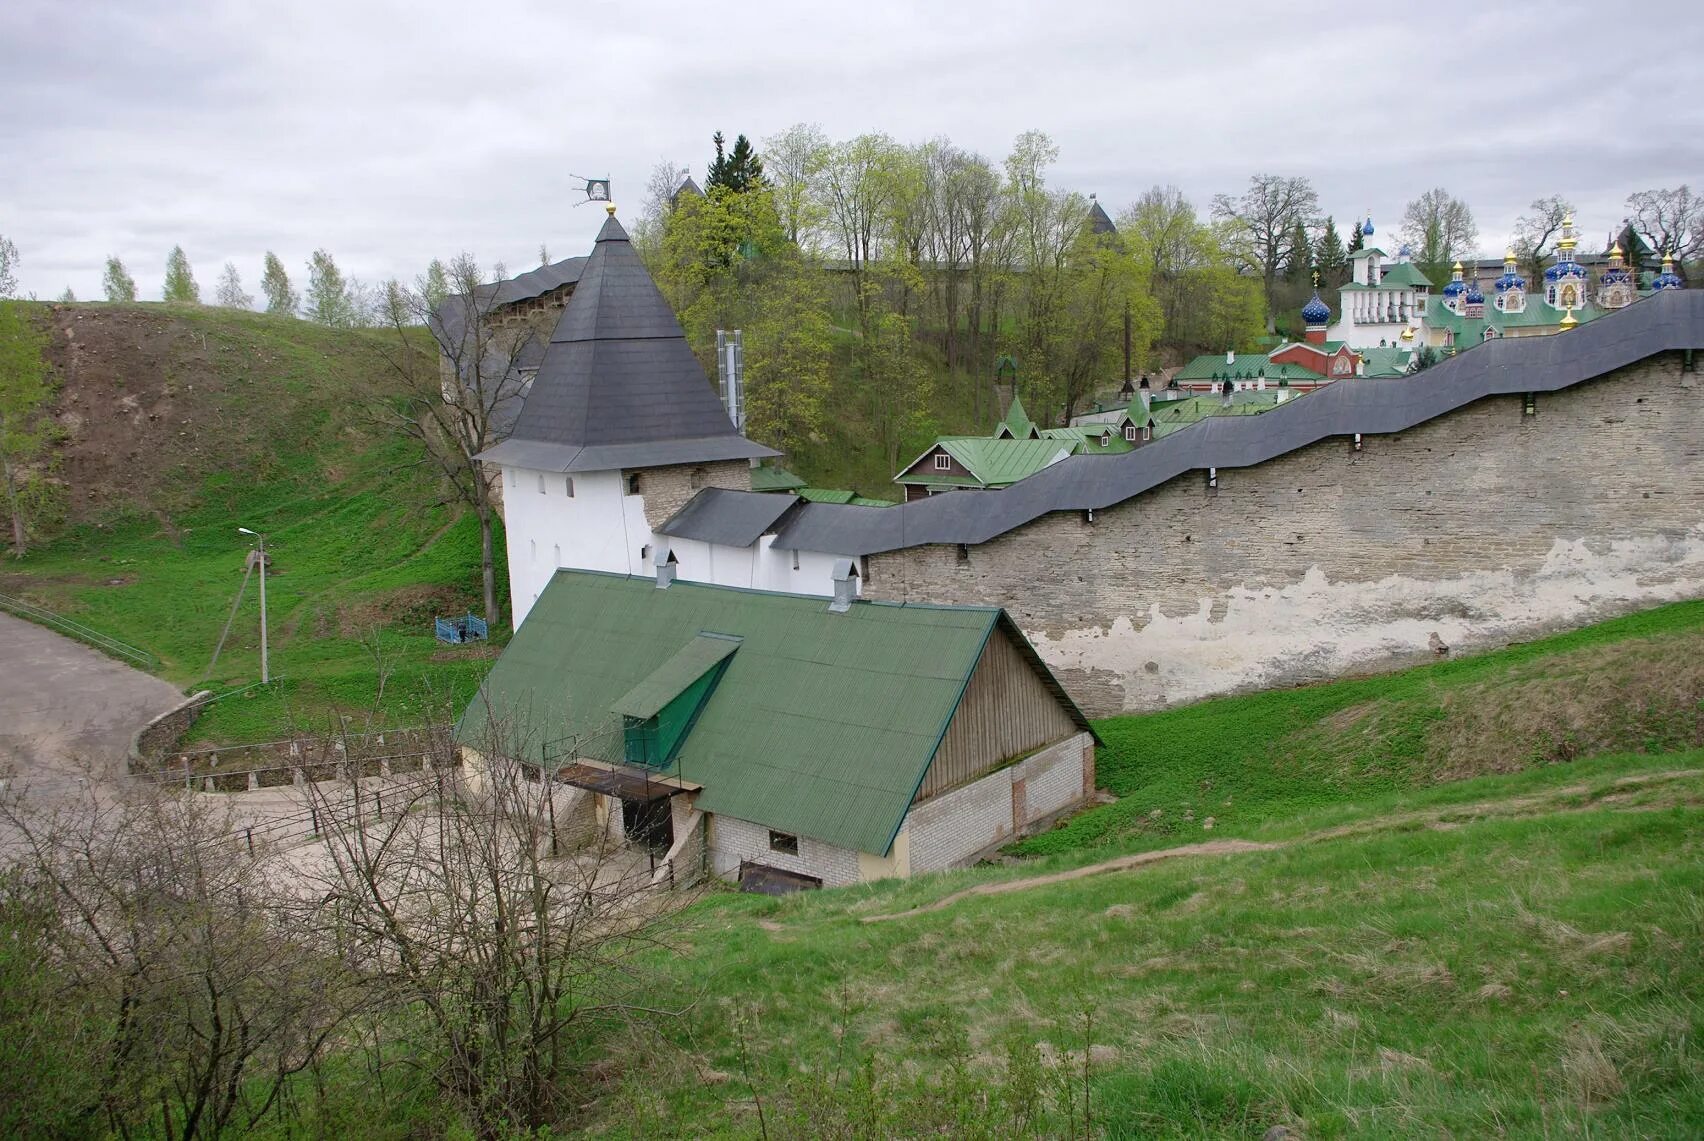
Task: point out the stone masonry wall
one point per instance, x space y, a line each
1483 526
666 489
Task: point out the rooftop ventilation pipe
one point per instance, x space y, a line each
667 565
730 363
845 586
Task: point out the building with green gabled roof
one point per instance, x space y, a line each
780 738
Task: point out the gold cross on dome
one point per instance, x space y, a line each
1316 279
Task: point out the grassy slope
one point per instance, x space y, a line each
360 538
1515 951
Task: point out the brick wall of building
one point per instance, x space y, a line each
666 489
732 840
947 830
1482 526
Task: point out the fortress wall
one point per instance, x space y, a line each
1483 526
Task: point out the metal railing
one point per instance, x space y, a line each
100 641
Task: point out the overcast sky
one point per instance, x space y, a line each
391 132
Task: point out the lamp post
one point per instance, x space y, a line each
265 675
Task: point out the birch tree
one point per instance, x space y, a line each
180 287
117 282
281 297
231 294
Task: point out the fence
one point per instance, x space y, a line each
273 764
100 641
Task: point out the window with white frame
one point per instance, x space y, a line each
943 462
1130 432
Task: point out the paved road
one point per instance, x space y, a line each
67 711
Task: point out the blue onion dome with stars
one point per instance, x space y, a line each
1455 286
1566 266
1510 279
1668 278
1405 251
1562 269
1316 312
1367 227
1474 294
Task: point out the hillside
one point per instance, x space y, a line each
183 424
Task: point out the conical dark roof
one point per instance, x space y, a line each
1100 222
618 386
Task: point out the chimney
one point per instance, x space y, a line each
845 586
667 564
730 366
1230 356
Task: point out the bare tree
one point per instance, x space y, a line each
165 933
461 400
508 925
1264 223
1535 231
1671 221
1440 228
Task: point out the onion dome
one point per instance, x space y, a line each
1316 312
1405 251
1367 227
1617 273
1474 295
1510 279
1455 286
1667 279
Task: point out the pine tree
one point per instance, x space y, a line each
1356 240
329 301
180 284
231 294
275 283
738 170
118 283
1329 257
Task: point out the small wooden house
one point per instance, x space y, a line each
778 739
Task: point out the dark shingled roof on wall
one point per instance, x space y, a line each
618 386
1667 322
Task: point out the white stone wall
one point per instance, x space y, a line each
947 830
732 840
600 527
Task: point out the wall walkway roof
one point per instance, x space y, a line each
1669 321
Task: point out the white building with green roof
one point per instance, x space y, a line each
1385 301
777 740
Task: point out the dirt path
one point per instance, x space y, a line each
1210 848
1514 806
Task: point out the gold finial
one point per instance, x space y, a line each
1509 254
1456 268
1568 321
610 209
1668 261
1316 279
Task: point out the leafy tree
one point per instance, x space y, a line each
435 286
281 297
543 254
1535 231
1330 258
180 287
1299 269
329 299
231 294
1263 224
117 282
8 267
793 159
1440 229
739 170
27 431
68 297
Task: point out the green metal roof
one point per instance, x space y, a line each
1385 361
1247 366
1401 275
822 724
993 463
665 683
1017 421
1469 331
1171 415
774 478
826 495
1085 439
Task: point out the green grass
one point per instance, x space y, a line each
365 549
1632 683
1528 973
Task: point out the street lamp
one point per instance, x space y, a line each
265 675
